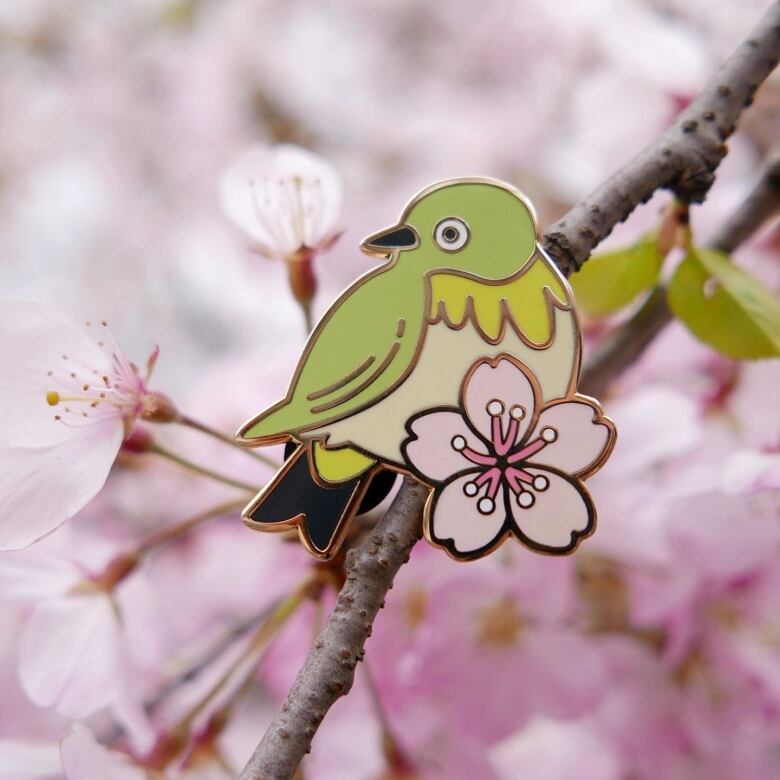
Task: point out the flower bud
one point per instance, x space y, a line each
158 408
300 269
138 440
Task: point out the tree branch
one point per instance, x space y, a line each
329 669
622 348
683 159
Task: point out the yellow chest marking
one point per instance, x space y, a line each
525 302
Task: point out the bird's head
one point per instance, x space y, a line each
480 226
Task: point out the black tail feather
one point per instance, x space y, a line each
295 498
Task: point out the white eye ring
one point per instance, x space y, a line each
451 234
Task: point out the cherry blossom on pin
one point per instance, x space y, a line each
505 463
68 397
285 198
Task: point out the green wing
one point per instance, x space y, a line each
362 349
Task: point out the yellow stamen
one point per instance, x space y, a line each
52 398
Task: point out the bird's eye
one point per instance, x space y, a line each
451 234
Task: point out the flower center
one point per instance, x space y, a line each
290 209
87 394
507 461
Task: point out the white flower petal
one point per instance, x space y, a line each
30 576
84 758
69 654
33 340
27 760
42 487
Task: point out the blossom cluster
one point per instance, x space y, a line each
153 158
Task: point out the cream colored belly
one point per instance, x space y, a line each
446 356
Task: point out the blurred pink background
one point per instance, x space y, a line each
655 652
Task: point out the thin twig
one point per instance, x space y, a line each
185 463
683 159
220 645
627 343
197 425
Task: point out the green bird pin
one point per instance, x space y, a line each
466 290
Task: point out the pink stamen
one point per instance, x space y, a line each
522 475
496 432
478 457
503 445
530 449
515 476
494 477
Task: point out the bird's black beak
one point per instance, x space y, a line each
386 241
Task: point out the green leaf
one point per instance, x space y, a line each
610 281
725 307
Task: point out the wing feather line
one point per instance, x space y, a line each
343 381
391 353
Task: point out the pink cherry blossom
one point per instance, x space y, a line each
504 463
68 611
286 199
68 396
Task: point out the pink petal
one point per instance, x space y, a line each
84 758
430 449
27 760
69 654
583 436
505 382
457 524
559 516
43 486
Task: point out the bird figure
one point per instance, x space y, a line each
463 278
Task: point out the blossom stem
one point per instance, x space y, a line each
125 563
308 323
196 425
177 530
164 452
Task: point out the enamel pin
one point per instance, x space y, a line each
455 361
